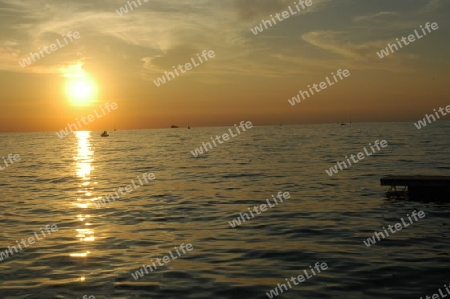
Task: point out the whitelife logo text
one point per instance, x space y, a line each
35 56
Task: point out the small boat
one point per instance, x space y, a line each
104 134
173 126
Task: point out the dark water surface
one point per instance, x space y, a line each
95 250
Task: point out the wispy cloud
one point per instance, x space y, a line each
381 16
252 10
358 55
161 33
431 6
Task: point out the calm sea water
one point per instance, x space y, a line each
192 200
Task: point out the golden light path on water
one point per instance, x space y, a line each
83 159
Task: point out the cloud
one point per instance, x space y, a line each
153 37
431 6
360 55
172 57
381 16
157 27
250 10
338 43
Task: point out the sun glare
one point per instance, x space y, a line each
80 89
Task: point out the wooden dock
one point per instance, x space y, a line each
417 186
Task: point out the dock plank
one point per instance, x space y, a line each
415 181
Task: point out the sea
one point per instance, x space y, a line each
93 251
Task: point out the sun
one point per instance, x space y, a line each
81 90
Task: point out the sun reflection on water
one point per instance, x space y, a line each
83 159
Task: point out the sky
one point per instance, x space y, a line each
117 58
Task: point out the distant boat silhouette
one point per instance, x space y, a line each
173 126
104 134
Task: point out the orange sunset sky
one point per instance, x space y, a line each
116 58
